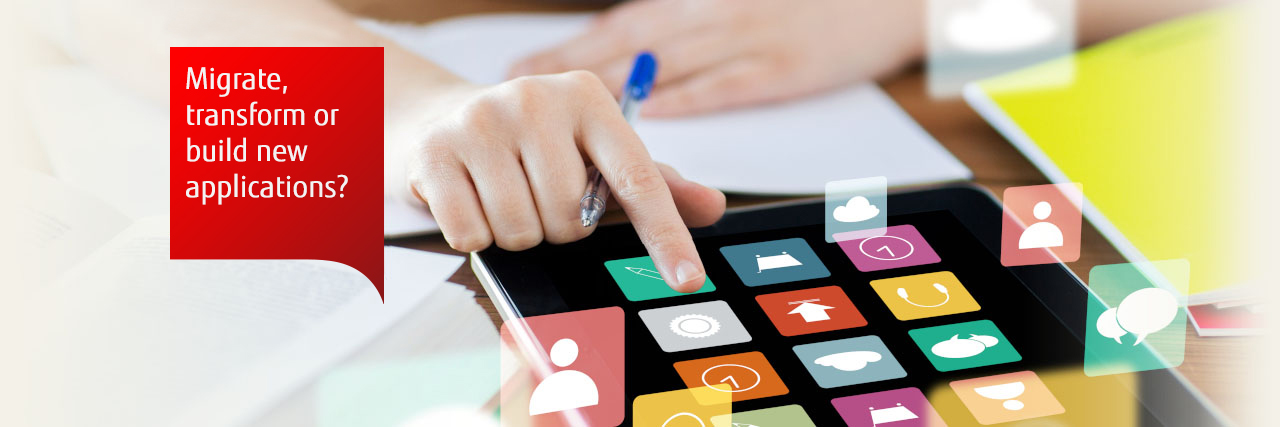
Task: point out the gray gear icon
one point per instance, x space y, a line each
695 326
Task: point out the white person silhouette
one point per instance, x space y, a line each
563 390
1042 234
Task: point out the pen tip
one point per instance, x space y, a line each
586 222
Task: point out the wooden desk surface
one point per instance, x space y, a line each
1211 363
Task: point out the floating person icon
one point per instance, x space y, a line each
1042 234
564 390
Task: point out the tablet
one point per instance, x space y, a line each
919 326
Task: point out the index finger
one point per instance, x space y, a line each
640 189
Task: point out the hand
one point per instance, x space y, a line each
508 165
719 54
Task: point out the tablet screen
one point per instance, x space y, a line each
920 326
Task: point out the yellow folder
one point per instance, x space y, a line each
1149 124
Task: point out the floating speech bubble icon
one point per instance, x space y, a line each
1146 311
1109 327
1142 312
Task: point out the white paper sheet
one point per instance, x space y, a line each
790 148
52 228
101 138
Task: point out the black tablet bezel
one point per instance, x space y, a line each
517 291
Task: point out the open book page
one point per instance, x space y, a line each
48 227
406 371
131 338
414 284
118 148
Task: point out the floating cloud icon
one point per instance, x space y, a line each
1142 312
959 348
857 209
849 361
998 26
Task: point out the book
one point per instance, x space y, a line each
106 330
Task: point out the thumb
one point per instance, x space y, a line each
698 204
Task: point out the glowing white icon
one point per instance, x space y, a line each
1042 234
902 293
775 261
1142 312
1006 392
882 245
682 415
891 414
564 390
645 272
811 311
849 361
695 326
960 348
999 26
857 209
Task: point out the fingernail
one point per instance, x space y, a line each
689 276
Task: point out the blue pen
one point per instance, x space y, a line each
635 92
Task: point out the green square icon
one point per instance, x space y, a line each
1137 318
964 345
639 279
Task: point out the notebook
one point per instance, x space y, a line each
1148 127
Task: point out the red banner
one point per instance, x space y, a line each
276 153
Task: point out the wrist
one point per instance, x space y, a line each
914 16
413 102
417 89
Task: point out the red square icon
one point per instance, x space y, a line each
808 311
1041 224
574 368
